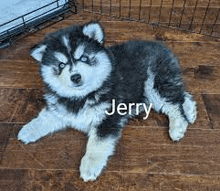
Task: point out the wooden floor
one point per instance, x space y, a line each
146 158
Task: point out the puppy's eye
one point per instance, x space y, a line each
84 59
62 65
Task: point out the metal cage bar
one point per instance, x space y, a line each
161 5
148 10
203 20
193 15
217 17
139 15
184 6
171 13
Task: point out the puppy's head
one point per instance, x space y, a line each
73 61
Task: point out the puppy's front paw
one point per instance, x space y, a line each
28 134
177 129
91 167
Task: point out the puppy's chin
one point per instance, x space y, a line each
73 91
77 86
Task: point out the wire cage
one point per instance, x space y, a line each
195 16
35 20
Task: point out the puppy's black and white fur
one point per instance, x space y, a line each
82 77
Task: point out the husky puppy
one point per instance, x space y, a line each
82 77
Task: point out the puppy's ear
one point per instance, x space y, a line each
95 31
37 51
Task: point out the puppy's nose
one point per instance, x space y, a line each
76 78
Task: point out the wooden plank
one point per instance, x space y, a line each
202 121
140 150
5 131
19 105
203 79
62 150
125 181
160 155
15 179
9 100
50 180
31 103
20 74
212 103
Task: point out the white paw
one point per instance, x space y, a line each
177 129
177 134
28 134
189 107
91 167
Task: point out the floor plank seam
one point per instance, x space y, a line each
119 172
208 114
6 144
14 112
41 164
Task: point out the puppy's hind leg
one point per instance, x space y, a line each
189 108
177 122
169 97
